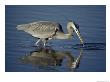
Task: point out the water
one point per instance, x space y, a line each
22 56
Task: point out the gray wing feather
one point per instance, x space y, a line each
42 29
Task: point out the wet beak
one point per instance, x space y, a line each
79 35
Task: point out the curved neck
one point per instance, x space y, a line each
70 28
60 35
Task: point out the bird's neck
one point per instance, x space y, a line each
70 28
68 36
60 35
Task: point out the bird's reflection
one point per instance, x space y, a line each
50 57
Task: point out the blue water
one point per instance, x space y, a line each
22 56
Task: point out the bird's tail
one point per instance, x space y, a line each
21 27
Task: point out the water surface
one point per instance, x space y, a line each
22 56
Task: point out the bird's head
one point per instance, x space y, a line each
73 27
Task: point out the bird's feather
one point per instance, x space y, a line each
42 29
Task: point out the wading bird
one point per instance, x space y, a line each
47 30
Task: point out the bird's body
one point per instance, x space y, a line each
41 29
46 30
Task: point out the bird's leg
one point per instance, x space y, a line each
45 43
36 44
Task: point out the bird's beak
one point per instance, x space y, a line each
78 34
80 37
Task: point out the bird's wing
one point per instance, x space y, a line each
43 28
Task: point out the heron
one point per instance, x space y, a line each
47 30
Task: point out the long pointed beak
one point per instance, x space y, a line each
79 35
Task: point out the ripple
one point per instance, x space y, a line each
90 46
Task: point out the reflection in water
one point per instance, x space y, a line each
50 57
